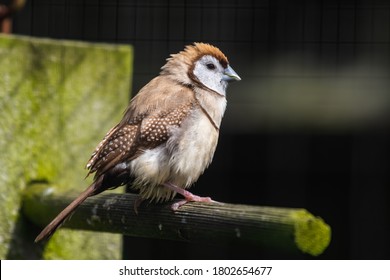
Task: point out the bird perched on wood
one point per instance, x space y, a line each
168 134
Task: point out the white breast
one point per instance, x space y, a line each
191 149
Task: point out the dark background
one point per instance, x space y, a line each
306 127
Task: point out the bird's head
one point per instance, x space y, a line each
202 65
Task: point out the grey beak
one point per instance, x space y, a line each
230 75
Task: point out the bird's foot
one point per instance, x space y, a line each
188 197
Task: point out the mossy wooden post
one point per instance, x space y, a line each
57 100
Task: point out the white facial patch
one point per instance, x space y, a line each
210 73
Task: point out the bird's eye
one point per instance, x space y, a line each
210 66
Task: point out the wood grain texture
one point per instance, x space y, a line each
257 227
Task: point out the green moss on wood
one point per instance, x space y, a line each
85 245
312 234
57 100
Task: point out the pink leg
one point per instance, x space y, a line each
187 196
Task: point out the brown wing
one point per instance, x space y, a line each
146 124
118 144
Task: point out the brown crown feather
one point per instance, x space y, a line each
183 62
197 50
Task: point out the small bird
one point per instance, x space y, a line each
168 134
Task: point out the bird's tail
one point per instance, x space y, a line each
61 217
